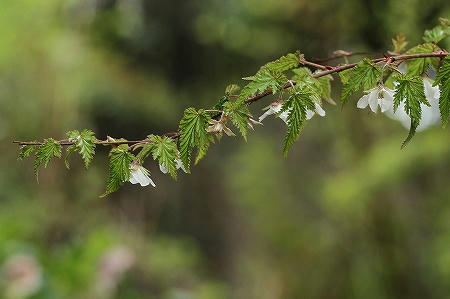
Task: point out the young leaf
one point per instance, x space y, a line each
239 117
366 75
25 151
119 168
443 79
418 66
410 89
193 133
398 44
438 33
45 153
165 151
297 104
319 87
284 63
84 144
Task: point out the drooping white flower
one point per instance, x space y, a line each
378 96
318 109
179 164
140 175
275 108
430 114
218 126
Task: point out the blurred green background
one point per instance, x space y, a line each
347 214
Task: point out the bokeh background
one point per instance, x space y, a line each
346 215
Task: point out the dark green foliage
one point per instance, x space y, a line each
410 89
443 80
119 168
45 153
365 75
193 134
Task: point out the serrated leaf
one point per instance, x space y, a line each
366 75
165 151
25 151
84 144
418 66
193 134
443 80
269 77
319 88
297 104
119 168
398 44
239 117
231 89
438 33
410 89
45 152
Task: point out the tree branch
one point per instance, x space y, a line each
327 70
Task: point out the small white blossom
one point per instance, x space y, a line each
430 114
179 164
378 96
218 126
140 175
275 108
318 109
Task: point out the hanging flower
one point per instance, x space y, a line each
275 108
378 96
430 114
140 175
179 164
318 109
218 126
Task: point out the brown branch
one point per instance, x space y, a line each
341 55
327 71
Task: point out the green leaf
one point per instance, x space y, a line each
72 148
119 168
26 151
239 117
165 151
269 76
320 88
366 75
443 79
193 134
45 153
84 144
398 44
410 89
284 63
418 66
231 89
438 33
297 104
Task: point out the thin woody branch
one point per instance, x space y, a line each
327 70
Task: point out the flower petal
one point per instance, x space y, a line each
363 102
284 116
163 169
373 101
319 110
309 114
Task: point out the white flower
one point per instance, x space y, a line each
179 164
378 96
140 175
319 110
275 108
430 114
218 126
